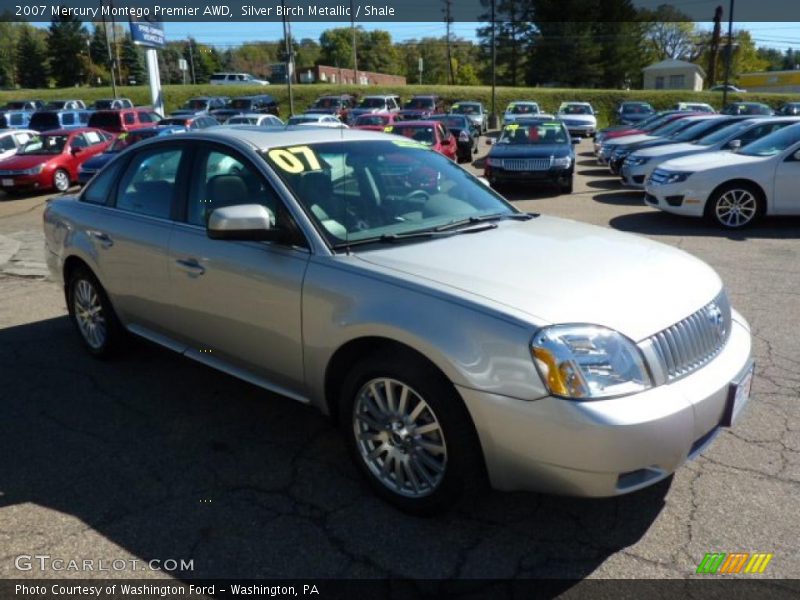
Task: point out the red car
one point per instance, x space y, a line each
430 133
636 130
124 119
51 160
375 122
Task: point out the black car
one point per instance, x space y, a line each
465 132
533 150
629 113
262 104
200 105
790 109
747 108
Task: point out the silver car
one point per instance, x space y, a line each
453 337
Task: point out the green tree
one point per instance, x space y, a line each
377 53
790 60
514 32
9 35
772 56
672 34
130 59
98 46
67 49
32 61
336 47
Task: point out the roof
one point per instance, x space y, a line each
671 64
263 139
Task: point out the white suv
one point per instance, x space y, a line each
732 189
236 79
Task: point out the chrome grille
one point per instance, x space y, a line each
691 343
527 164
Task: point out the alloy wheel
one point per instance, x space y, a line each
89 314
736 208
61 181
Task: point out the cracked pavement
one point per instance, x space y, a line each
151 456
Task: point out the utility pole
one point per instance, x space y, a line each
116 45
191 61
493 116
355 53
287 32
108 49
728 56
448 19
713 55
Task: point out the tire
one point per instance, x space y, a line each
386 399
735 206
93 316
61 180
567 187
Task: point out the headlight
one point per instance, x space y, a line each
636 161
588 361
564 162
463 136
33 170
676 177
494 162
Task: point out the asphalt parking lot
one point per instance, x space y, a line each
151 456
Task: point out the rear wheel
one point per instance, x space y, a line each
92 314
410 434
735 206
61 180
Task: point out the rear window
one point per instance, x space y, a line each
16 119
218 77
241 103
104 119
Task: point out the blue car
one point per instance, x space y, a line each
125 140
15 119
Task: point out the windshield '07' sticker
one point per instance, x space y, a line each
388 129
288 159
409 144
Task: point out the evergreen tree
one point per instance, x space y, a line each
32 62
9 32
131 62
67 49
98 47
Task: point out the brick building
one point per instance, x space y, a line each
325 74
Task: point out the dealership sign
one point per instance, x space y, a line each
149 33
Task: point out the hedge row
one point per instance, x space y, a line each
548 98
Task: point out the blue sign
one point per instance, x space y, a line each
149 33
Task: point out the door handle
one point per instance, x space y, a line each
191 266
102 237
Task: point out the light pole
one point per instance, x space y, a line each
728 56
355 53
493 116
287 32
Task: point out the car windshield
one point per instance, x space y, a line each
180 121
241 103
534 133
372 120
671 127
103 104
105 119
328 103
419 133
420 103
373 190
653 124
466 109
698 129
774 143
303 119
575 109
723 134
45 144
749 109
373 103
196 104
452 122
636 109
242 121
523 109
55 105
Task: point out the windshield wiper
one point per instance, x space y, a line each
391 238
483 219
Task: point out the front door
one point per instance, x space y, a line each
786 199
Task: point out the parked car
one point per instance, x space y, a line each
789 109
617 130
375 104
12 140
320 120
654 130
730 88
255 119
695 107
15 119
339 106
123 141
747 108
639 165
24 105
732 190
474 111
419 317
466 134
112 104
263 103
46 120
534 151
579 117
236 79
201 104
65 105
51 160
374 121
521 108
124 119
421 107
633 112
429 133
189 122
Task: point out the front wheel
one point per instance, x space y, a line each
735 206
410 434
567 186
61 180
92 314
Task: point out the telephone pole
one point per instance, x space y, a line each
448 19
355 52
287 33
728 56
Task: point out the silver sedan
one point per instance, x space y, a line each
454 338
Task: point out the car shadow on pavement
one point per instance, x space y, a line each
621 198
612 182
656 222
163 458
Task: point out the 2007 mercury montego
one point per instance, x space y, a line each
452 336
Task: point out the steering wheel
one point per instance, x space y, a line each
416 195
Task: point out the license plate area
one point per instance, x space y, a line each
738 395
7 183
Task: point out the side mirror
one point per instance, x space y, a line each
75 150
734 145
243 222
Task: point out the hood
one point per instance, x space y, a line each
626 140
26 161
578 119
710 160
668 149
583 274
416 112
529 151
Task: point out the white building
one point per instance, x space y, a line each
673 74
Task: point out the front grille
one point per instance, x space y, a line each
658 177
691 343
527 164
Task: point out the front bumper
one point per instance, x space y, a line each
554 175
587 130
23 182
677 198
606 447
635 176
